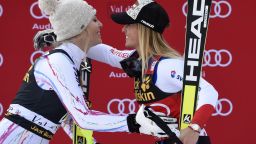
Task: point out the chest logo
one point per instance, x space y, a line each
145 85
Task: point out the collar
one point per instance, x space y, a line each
74 52
152 63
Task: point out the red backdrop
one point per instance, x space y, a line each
228 63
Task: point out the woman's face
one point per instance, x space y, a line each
93 30
131 35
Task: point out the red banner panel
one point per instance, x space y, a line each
228 64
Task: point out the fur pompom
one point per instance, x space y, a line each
48 6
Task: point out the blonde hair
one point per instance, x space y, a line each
152 43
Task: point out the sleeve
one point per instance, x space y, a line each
170 79
108 55
63 78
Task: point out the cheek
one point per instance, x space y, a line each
135 38
93 34
93 30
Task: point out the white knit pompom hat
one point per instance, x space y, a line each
67 17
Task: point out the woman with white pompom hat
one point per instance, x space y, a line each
50 89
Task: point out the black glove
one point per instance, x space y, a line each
133 126
44 38
141 123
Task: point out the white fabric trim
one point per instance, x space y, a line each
33 117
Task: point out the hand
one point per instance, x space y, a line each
142 124
189 136
44 38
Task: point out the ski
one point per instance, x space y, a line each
196 30
81 136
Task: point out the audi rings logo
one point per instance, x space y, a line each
33 56
221 9
1 109
1 59
1 10
214 58
224 107
122 107
127 106
36 12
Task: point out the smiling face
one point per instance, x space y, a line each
93 32
131 35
